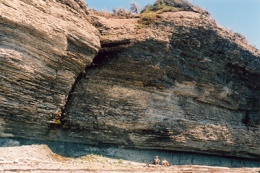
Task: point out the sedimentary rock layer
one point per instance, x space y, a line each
180 82
183 83
44 46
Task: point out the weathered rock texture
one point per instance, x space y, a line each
44 46
181 83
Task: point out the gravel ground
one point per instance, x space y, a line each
40 159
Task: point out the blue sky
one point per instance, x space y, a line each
242 16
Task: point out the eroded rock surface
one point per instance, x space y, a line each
44 46
182 83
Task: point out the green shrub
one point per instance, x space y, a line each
169 5
151 12
157 8
148 18
148 7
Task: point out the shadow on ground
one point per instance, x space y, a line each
136 155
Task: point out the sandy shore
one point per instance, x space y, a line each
40 159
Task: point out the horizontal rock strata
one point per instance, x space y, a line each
44 46
180 82
183 83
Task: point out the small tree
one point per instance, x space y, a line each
134 7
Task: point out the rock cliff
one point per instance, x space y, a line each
170 80
44 46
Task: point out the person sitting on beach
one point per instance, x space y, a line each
156 161
165 162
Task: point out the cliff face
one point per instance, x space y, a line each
180 83
44 46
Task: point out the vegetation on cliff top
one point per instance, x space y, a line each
166 5
151 12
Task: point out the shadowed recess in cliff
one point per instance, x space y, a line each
114 46
137 155
108 50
